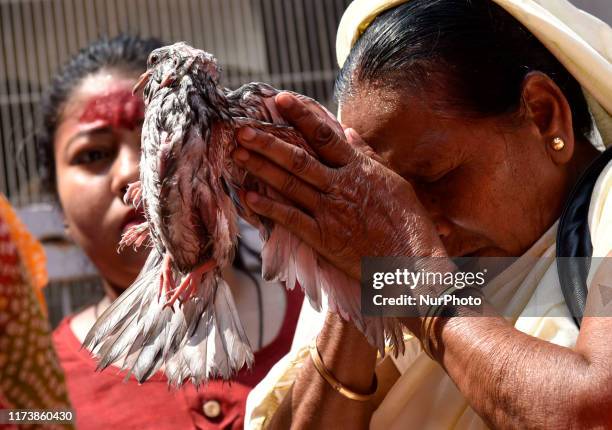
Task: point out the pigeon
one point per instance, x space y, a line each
179 314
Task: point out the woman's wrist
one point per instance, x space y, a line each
346 353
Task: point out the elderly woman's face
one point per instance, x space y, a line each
97 151
490 188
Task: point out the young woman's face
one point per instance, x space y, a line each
97 151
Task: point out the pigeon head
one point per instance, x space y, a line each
166 66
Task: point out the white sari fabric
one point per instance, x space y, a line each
424 396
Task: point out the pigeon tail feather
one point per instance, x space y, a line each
198 340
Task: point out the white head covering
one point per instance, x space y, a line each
581 42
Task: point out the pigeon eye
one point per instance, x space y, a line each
154 58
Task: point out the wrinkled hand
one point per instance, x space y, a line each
347 203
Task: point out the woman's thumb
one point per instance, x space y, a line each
355 140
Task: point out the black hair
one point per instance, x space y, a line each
472 49
127 53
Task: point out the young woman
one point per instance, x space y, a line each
90 148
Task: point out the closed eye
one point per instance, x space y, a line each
430 179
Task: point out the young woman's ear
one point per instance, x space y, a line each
548 109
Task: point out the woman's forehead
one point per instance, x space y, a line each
102 83
103 95
381 112
101 100
407 129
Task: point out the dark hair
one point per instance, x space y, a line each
472 49
128 53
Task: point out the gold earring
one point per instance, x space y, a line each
558 144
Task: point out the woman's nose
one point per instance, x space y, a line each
443 226
436 213
125 169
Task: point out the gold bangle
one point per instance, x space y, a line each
425 344
335 384
428 320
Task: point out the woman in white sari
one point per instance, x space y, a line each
482 143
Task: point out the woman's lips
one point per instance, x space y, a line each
133 218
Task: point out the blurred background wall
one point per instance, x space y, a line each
287 43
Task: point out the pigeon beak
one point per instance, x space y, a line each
176 74
142 81
167 80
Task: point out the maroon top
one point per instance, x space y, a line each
102 400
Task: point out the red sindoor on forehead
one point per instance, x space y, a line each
118 109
